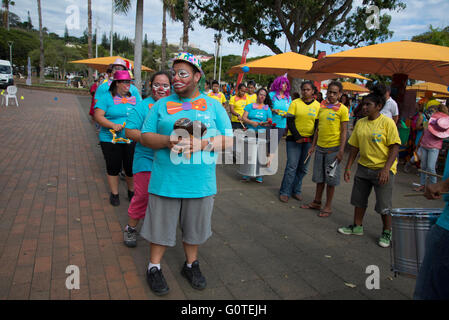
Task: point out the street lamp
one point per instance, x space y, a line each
10 43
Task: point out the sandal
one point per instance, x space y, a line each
314 205
324 214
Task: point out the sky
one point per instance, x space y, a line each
415 19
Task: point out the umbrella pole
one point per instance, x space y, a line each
398 86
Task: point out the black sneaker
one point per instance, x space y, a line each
157 282
130 195
114 199
194 276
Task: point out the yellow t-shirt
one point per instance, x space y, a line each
239 104
251 98
373 138
305 116
220 97
329 128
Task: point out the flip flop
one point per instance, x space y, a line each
313 205
324 214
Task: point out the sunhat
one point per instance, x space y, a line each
439 125
122 75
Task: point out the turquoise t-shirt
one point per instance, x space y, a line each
259 115
173 174
104 88
116 113
143 156
281 104
443 220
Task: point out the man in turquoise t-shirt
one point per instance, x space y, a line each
183 185
433 278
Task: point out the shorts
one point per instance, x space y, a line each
139 201
323 158
163 214
365 179
118 156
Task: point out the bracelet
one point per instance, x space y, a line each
349 170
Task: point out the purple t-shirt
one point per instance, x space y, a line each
429 141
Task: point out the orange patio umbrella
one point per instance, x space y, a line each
421 88
401 60
419 61
295 64
352 87
101 64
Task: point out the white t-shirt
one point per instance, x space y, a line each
390 109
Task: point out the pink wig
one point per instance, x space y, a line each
276 86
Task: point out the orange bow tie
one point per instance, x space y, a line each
174 107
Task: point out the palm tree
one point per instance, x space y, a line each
6 4
168 5
186 22
41 38
138 46
89 38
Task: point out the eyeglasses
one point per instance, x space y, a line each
124 81
158 85
181 73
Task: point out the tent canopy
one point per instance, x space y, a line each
101 64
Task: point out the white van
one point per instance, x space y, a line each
6 76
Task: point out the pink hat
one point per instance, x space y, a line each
439 125
120 62
122 75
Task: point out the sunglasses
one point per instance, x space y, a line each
124 81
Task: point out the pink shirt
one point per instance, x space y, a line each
429 141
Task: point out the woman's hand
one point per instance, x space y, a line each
347 175
383 175
117 127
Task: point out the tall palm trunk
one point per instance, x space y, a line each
186 21
89 40
138 46
41 47
164 38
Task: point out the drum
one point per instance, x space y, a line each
410 227
251 156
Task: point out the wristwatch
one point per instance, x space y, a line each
209 146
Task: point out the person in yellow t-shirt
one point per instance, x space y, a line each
251 94
237 105
216 94
329 142
299 139
377 140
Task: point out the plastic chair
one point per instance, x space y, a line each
11 93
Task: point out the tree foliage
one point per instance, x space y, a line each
438 36
335 22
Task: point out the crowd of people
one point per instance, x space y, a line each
171 176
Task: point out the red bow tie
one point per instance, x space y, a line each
174 107
326 104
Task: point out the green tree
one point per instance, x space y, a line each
303 22
438 36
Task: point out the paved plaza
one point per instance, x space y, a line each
55 212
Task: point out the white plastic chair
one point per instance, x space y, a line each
11 93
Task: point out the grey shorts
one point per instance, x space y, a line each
365 179
163 214
323 158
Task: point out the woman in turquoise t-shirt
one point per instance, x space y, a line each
111 112
143 156
258 116
280 98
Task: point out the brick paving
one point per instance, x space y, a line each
55 212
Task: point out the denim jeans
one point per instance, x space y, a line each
433 278
428 159
295 170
